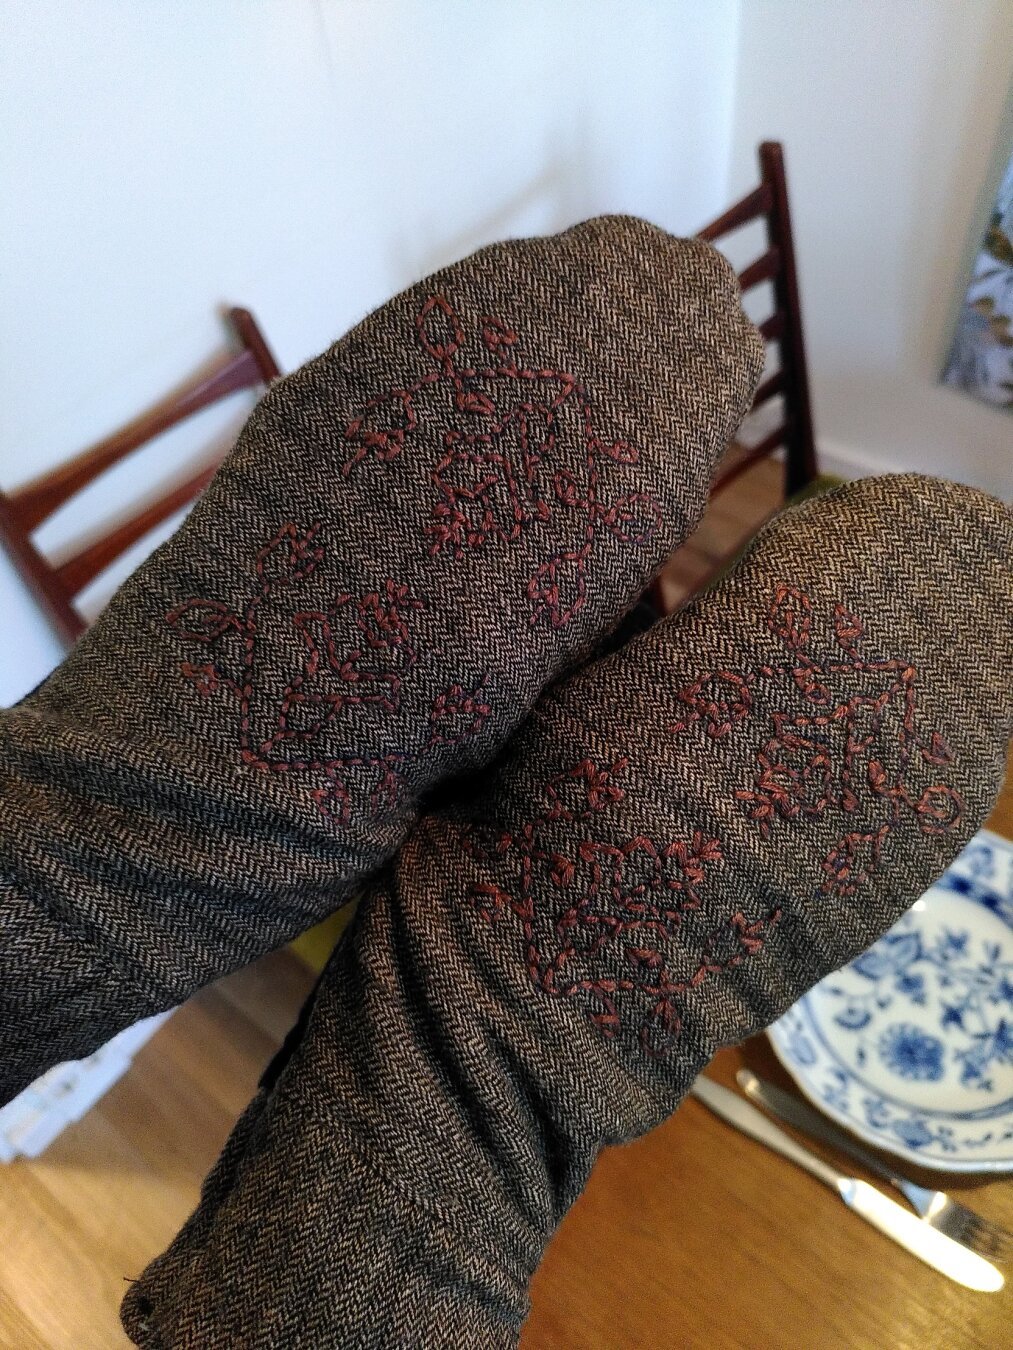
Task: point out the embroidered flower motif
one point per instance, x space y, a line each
849 747
603 921
506 467
458 714
357 653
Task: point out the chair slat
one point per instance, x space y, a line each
745 457
772 329
38 575
255 343
770 388
22 511
85 566
769 201
800 463
764 269
37 501
755 205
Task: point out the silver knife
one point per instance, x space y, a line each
811 1122
935 1249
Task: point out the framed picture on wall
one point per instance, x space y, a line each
981 358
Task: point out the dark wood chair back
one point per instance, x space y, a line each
769 202
782 328
57 586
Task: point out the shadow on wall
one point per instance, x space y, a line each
933 436
551 201
953 261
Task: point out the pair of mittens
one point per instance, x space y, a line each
413 535
682 840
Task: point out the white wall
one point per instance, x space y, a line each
897 120
309 157
305 158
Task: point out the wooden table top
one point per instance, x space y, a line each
697 1236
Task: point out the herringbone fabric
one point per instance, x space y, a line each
412 536
683 839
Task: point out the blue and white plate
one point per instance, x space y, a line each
911 1046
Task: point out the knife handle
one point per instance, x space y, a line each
738 1112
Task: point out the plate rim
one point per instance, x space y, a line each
887 1144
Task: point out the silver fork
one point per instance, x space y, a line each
935 1207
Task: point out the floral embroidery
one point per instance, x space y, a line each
357 654
835 752
603 923
500 471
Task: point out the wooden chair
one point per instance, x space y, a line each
57 586
782 328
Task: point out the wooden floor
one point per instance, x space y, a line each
643 1260
114 1188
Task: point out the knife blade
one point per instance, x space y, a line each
807 1119
950 1258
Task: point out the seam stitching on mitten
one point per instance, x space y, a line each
469 1224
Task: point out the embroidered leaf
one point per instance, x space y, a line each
333 801
384 796
848 627
558 589
439 330
937 751
790 617
472 400
458 713
380 429
498 337
940 809
620 451
202 620
489 900
662 1030
564 485
645 957
291 555
633 519
562 870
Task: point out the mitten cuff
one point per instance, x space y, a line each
318 1241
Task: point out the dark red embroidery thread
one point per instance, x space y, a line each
599 922
358 653
500 473
833 753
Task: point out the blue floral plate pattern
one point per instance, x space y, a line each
911 1045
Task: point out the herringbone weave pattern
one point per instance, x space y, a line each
414 533
683 838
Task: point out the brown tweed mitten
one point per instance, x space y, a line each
683 838
414 533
